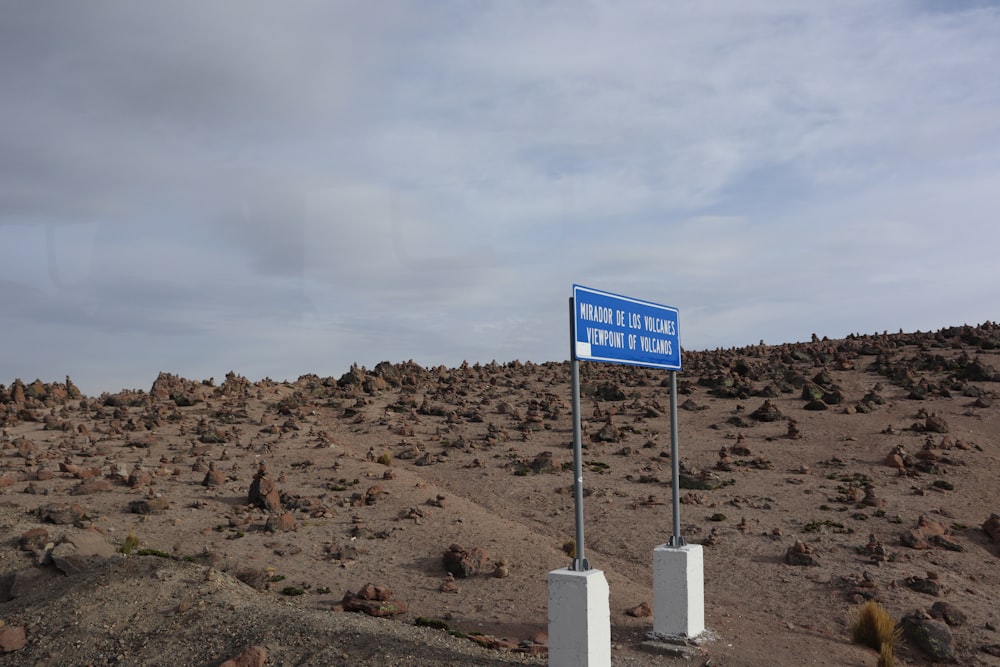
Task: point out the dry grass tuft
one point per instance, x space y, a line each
873 626
885 656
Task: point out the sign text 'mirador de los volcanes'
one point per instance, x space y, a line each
619 329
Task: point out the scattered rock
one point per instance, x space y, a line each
12 638
215 477
767 412
155 505
264 492
255 656
464 563
448 585
33 539
875 550
81 551
948 613
925 585
502 569
932 637
62 515
374 600
896 458
800 554
15 584
992 527
641 610
920 537
608 433
90 486
542 463
280 523
935 424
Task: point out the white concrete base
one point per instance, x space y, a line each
678 591
579 619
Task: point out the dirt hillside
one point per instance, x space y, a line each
317 519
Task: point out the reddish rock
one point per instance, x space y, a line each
139 477
372 494
255 656
464 563
375 601
264 492
280 523
448 585
33 539
923 535
215 477
935 424
12 638
641 610
90 486
895 458
87 473
928 454
375 592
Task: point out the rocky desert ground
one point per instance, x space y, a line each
404 515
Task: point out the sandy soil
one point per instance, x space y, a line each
379 472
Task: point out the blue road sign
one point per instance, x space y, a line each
622 330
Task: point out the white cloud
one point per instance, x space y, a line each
430 179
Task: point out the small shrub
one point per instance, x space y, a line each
385 458
818 526
943 484
129 544
436 623
718 516
292 590
569 548
873 626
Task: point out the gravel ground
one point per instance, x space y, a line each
145 610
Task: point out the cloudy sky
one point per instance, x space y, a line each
288 188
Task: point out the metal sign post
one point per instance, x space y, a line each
580 563
675 460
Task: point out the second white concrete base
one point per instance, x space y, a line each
579 619
678 591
